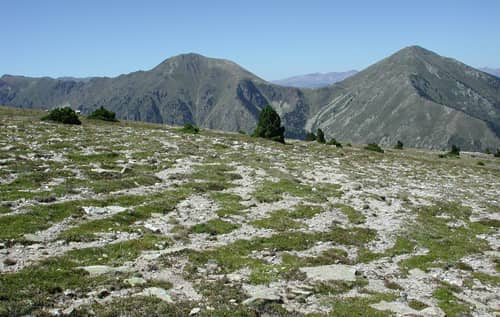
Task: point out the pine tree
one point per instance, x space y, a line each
269 126
320 136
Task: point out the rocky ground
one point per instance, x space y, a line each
114 219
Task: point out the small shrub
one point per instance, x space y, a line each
480 163
455 151
333 141
63 115
242 132
269 126
349 144
310 137
399 145
497 154
374 147
190 128
320 136
103 114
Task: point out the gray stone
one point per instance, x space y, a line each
261 293
334 272
92 210
96 270
402 308
194 311
33 237
133 281
156 292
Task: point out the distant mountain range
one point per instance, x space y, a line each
492 71
315 80
414 95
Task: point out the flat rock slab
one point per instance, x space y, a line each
33 237
334 272
156 292
403 309
96 270
261 292
155 254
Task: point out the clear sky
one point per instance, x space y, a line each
273 38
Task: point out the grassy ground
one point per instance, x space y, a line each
208 216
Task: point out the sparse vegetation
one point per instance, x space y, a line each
223 213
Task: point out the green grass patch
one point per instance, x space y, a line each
302 211
38 285
229 204
214 227
330 256
279 220
273 191
39 218
236 255
451 305
446 245
354 216
162 203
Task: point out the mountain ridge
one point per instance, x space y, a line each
413 95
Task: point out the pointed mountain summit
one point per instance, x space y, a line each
418 97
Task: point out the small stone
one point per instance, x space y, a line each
194 311
125 169
9 261
157 292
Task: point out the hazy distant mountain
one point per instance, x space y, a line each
415 96
491 71
314 80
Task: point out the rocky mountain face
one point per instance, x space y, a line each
189 88
418 97
415 96
315 80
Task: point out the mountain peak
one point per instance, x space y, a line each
413 51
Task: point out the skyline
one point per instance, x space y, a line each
273 40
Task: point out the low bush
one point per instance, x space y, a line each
374 147
103 114
63 115
189 128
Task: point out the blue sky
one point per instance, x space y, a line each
273 39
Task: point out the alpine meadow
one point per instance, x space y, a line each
365 182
